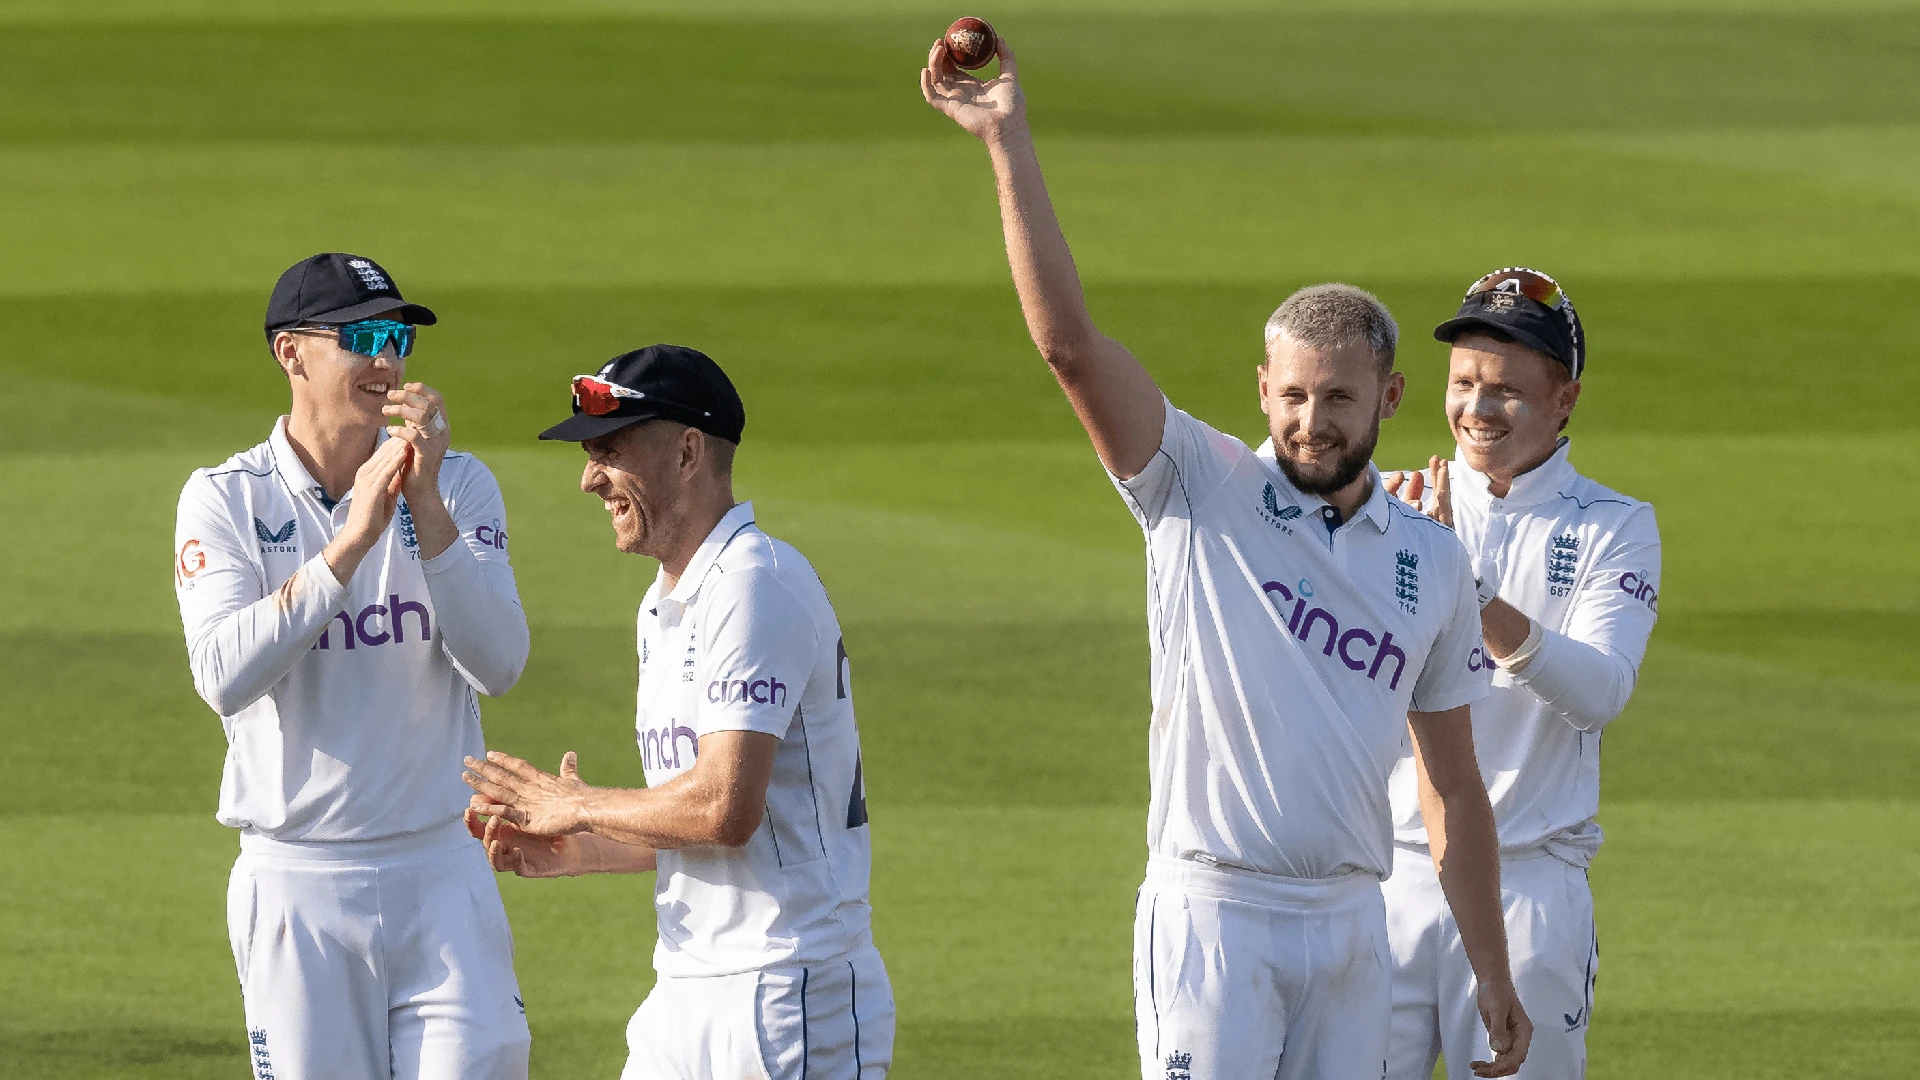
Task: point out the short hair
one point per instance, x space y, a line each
722 451
1333 316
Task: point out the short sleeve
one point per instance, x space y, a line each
760 646
1193 461
1456 672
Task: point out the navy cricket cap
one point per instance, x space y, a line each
1527 306
334 287
659 382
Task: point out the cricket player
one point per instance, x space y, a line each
1569 575
346 595
754 813
1300 621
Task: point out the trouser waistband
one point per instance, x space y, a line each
1251 886
1507 855
431 841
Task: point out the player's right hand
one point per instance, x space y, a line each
376 493
1411 488
1509 1032
985 109
510 851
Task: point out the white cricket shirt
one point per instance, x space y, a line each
1285 657
348 707
747 641
1583 561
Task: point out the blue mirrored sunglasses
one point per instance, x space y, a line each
369 336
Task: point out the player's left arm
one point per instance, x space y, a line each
1466 853
462 536
1586 674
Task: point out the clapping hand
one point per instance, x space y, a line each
511 851
541 803
425 430
1412 489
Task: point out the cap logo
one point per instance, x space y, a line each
370 275
1500 300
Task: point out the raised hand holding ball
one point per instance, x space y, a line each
972 43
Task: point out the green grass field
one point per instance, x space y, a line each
1730 189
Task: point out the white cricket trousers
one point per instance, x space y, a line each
384 958
1244 976
1555 956
831 1021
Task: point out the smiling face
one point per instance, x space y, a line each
337 387
1324 408
635 475
1506 404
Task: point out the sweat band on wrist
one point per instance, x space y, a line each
1523 654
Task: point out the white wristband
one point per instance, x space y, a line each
1527 649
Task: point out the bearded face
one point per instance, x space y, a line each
1324 408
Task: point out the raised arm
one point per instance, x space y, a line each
1116 400
1466 854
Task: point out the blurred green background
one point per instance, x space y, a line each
1730 189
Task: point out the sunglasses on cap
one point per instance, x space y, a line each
596 396
369 337
1538 287
1520 281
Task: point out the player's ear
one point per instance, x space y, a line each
1569 397
693 450
1391 394
286 352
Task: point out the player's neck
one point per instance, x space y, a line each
702 517
332 454
1348 500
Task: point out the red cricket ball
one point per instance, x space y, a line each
971 42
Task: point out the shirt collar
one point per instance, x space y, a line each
1374 509
1538 484
294 471
736 519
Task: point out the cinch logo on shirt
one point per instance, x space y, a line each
1301 624
492 536
1640 589
759 691
354 628
660 747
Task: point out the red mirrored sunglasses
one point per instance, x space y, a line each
596 396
